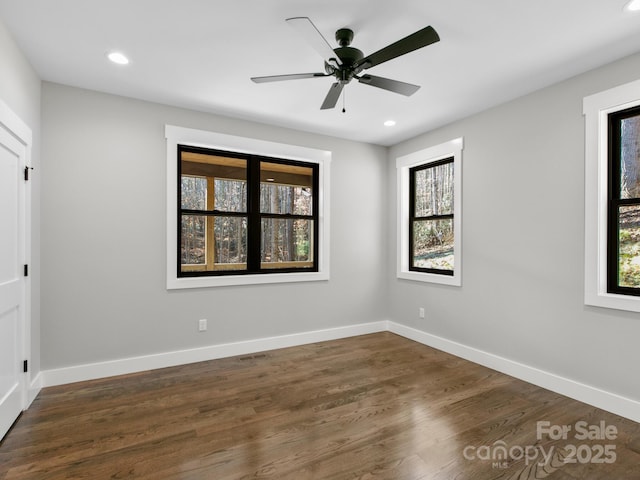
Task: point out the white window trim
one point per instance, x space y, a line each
453 149
200 138
596 109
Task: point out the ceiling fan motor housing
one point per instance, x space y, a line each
349 56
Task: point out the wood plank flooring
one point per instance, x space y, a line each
372 407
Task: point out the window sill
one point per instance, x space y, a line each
453 280
611 300
233 280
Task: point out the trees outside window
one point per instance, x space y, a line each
623 245
431 217
612 198
430 214
243 213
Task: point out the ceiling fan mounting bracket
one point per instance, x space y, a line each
344 37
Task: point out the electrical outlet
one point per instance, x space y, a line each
202 325
421 312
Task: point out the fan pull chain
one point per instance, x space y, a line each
344 96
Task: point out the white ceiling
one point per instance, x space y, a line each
200 54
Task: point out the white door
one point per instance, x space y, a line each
12 280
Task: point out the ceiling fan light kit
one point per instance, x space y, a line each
346 62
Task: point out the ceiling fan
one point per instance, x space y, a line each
346 63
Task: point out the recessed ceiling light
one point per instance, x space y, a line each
633 6
117 57
389 123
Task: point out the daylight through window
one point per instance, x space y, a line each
243 213
624 202
431 217
430 214
612 198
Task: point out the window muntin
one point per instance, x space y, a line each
245 214
623 218
431 214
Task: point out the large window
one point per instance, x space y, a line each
612 198
430 215
243 211
245 214
624 202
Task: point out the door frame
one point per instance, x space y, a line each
21 131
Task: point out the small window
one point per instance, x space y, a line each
624 202
430 215
245 214
431 218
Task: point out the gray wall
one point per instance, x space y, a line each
20 90
104 248
523 242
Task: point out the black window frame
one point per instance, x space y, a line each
253 214
413 218
614 201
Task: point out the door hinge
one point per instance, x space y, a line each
26 173
26 270
25 366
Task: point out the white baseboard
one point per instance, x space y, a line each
34 389
608 401
611 402
60 376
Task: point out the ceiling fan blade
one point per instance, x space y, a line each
402 88
314 38
294 76
332 97
416 40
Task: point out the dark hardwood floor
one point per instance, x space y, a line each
372 407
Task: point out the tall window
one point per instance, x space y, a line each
624 202
612 198
431 232
243 214
430 214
